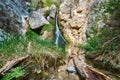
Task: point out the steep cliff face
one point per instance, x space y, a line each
12 16
74 17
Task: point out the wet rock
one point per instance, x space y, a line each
36 20
64 75
13 16
71 69
26 4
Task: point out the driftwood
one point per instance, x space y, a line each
11 63
87 72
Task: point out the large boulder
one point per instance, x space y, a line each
36 20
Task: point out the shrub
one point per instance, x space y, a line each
17 72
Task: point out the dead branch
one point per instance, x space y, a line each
87 72
110 40
12 63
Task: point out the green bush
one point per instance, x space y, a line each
47 27
17 72
47 2
106 40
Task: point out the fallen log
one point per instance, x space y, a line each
12 63
87 72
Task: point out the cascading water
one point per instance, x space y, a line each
58 38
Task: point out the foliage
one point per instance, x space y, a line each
17 72
67 38
111 5
47 13
41 51
13 44
105 41
113 8
101 38
35 4
47 2
47 27
17 45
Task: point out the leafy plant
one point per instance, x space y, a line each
46 27
47 2
106 40
17 72
112 5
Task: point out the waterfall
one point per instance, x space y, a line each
58 38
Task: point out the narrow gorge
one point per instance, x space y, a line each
59 40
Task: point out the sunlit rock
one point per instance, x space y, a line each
36 20
74 16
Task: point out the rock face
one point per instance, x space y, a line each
37 20
12 16
74 17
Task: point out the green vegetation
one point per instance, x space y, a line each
17 45
47 2
41 51
47 27
103 41
36 4
16 72
111 5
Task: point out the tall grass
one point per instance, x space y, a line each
17 46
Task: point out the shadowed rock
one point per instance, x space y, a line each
12 16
